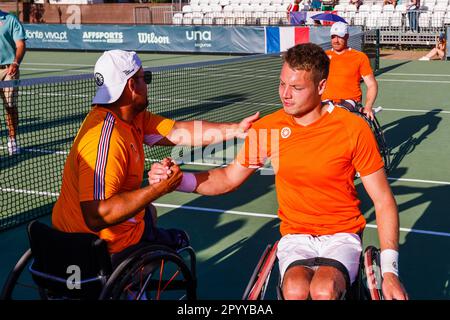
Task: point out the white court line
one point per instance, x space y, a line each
418 74
418 81
40 193
420 181
232 212
271 216
416 110
49 70
57 64
269 170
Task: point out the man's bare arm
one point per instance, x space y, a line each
201 133
377 186
371 94
222 180
99 214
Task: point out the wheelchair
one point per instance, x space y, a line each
357 108
67 266
367 285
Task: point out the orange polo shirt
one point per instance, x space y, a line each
107 158
346 72
315 166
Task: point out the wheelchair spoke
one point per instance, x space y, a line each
170 280
143 287
160 279
129 291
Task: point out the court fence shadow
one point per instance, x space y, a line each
229 269
405 134
424 262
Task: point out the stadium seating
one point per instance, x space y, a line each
434 14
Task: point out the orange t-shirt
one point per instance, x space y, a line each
346 71
107 158
315 166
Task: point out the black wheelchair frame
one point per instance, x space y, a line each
141 272
367 285
374 126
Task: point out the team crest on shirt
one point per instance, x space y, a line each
285 132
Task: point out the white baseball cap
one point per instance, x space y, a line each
339 29
111 73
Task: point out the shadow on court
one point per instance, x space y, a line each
390 68
225 274
424 260
405 134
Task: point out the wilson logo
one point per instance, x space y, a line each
153 38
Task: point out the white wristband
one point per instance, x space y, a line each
389 261
188 183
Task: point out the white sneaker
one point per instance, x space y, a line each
12 147
424 59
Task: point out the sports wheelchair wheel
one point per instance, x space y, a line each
154 272
257 286
371 277
19 283
144 271
367 285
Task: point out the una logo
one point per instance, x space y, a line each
198 35
99 79
285 132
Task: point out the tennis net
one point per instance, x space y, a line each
51 111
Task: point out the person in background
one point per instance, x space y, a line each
102 190
292 7
315 149
393 2
357 3
438 51
12 42
412 9
347 67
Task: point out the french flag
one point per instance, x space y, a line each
279 39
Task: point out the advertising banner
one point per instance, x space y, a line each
209 39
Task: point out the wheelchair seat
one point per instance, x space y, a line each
58 254
79 266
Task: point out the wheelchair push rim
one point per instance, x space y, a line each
157 275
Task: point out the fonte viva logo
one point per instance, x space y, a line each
152 38
47 35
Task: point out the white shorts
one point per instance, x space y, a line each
343 247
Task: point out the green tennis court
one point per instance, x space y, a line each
230 232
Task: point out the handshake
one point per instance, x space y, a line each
166 175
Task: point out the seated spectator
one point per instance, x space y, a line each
356 3
393 2
328 5
316 5
438 50
293 7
